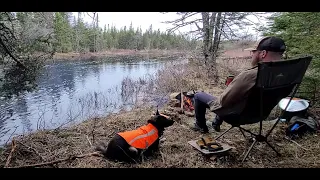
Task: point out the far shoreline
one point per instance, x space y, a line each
73 56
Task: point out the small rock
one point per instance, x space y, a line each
189 114
170 109
162 140
213 158
279 144
181 111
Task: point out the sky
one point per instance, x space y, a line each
145 19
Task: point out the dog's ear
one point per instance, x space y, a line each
157 113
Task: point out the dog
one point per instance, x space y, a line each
132 146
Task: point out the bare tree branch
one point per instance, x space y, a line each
214 25
177 26
185 16
11 55
199 29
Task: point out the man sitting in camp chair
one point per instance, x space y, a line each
234 97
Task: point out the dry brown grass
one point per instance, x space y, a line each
46 146
235 65
50 145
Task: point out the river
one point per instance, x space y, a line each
72 91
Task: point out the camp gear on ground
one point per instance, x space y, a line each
209 144
200 143
294 127
297 107
208 140
299 126
224 148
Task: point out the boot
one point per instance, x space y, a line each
203 129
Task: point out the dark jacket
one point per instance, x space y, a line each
234 97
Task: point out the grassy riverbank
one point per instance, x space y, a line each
52 145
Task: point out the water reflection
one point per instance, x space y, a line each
73 91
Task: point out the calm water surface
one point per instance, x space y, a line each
69 92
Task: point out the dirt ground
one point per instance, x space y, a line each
64 145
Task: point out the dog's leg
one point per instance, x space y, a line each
137 154
133 150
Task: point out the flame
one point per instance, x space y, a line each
188 103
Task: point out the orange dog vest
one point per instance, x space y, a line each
142 137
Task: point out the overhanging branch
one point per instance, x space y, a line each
11 55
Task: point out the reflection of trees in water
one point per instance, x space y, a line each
91 68
3 118
95 69
130 66
21 108
68 77
114 66
154 65
58 75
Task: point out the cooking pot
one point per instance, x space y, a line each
297 107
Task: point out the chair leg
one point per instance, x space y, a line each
223 133
273 148
253 134
245 137
245 157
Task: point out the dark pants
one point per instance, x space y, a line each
201 100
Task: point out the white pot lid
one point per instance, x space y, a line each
296 104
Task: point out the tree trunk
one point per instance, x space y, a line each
222 26
216 38
77 32
214 44
206 34
212 25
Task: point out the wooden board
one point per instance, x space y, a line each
226 148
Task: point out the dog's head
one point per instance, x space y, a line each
161 120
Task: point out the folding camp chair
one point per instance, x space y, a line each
275 80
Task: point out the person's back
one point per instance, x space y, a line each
234 97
